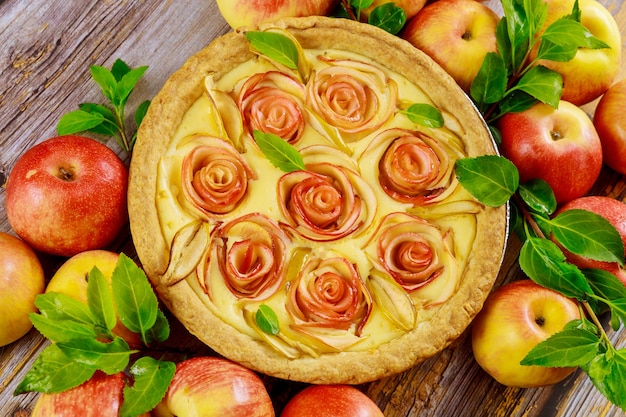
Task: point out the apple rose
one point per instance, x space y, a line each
413 167
415 253
329 294
215 177
272 103
250 252
355 97
325 202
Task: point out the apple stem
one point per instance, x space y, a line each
65 174
346 5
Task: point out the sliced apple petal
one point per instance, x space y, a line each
393 301
188 246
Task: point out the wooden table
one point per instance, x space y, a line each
46 48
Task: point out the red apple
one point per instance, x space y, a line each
100 396
591 71
457 34
67 195
21 280
331 401
610 123
560 146
211 386
245 13
410 7
514 319
612 210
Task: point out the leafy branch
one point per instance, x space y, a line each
511 80
85 340
116 84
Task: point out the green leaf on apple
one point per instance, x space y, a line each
100 299
53 372
111 357
137 305
62 330
388 17
542 83
275 46
57 306
489 85
605 286
267 320
538 196
424 114
151 379
491 179
543 262
568 348
607 371
279 152
588 234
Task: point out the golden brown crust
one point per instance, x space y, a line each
162 120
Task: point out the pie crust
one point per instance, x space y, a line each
432 332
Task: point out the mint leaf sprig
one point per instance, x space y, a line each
110 120
84 341
509 80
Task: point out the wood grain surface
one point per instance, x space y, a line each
46 48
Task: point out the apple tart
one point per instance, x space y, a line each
299 217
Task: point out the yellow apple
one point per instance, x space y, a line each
514 319
246 13
457 34
592 71
21 280
72 277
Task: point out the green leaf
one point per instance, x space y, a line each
53 372
141 111
137 305
267 320
275 46
109 126
160 332
109 357
489 85
78 121
605 287
539 197
555 52
62 330
570 33
425 115
516 101
608 373
151 380
543 84
126 85
544 263
57 306
389 17
568 348
106 80
119 69
587 234
100 299
489 178
361 4
279 152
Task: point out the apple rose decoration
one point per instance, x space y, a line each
214 177
412 166
329 301
272 102
325 202
250 253
416 254
354 97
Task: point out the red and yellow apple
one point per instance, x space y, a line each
410 7
591 71
245 13
457 34
612 210
212 386
331 401
560 146
100 396
610 123
21 280
514 319
67 195
72 276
